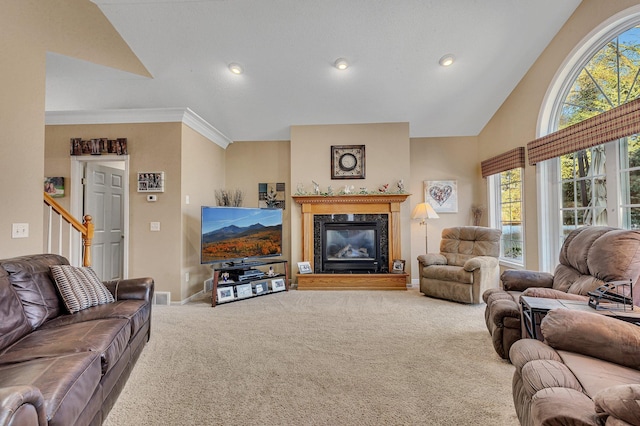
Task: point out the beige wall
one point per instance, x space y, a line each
442 159
203 171
28 29
515 123
250 163
387 161
152 148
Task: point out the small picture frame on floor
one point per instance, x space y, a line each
277 285
225 294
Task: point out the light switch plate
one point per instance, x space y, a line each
154 226
20 230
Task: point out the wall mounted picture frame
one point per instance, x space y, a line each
271 195
98 146
304 268
150 181
398 266
225 294
442 195
347 162
54 186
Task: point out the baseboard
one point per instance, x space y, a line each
191 298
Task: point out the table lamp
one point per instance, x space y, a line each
424 211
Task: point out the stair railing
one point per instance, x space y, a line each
86 229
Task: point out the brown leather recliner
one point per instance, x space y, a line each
589 257
466 266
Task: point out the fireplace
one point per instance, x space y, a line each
351 243
345 260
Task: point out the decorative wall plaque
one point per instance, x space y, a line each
347 162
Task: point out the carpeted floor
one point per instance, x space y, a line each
319 358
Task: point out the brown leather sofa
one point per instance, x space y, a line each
589 257
58 368
586 373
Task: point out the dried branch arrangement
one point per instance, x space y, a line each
232 198
476 213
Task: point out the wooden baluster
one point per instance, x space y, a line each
86 240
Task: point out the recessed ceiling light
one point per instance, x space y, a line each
235 68
447 60
341 64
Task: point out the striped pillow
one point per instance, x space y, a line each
80 288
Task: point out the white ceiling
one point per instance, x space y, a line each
288 47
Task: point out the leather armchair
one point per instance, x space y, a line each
589 257
466 266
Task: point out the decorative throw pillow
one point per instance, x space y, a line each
80 288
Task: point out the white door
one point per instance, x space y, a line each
104 201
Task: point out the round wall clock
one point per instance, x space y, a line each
347 162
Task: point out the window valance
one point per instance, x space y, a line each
503 162
616 123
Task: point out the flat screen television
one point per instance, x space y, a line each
235 234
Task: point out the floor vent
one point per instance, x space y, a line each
162 298
208 285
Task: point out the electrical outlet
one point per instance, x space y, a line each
20 230
154 226
186 277
187 200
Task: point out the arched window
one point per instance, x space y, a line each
599 185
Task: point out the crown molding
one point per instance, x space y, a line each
142 115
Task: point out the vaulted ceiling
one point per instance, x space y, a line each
287 49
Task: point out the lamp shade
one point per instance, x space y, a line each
424 211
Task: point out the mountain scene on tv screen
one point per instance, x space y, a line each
233 242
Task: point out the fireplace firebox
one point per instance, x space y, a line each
351 243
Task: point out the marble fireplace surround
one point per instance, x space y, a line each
352 204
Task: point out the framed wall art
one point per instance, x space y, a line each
98 146
151 182
347 162
54 186
271 195
442 195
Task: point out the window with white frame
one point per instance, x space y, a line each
583 179
506 190
599 185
